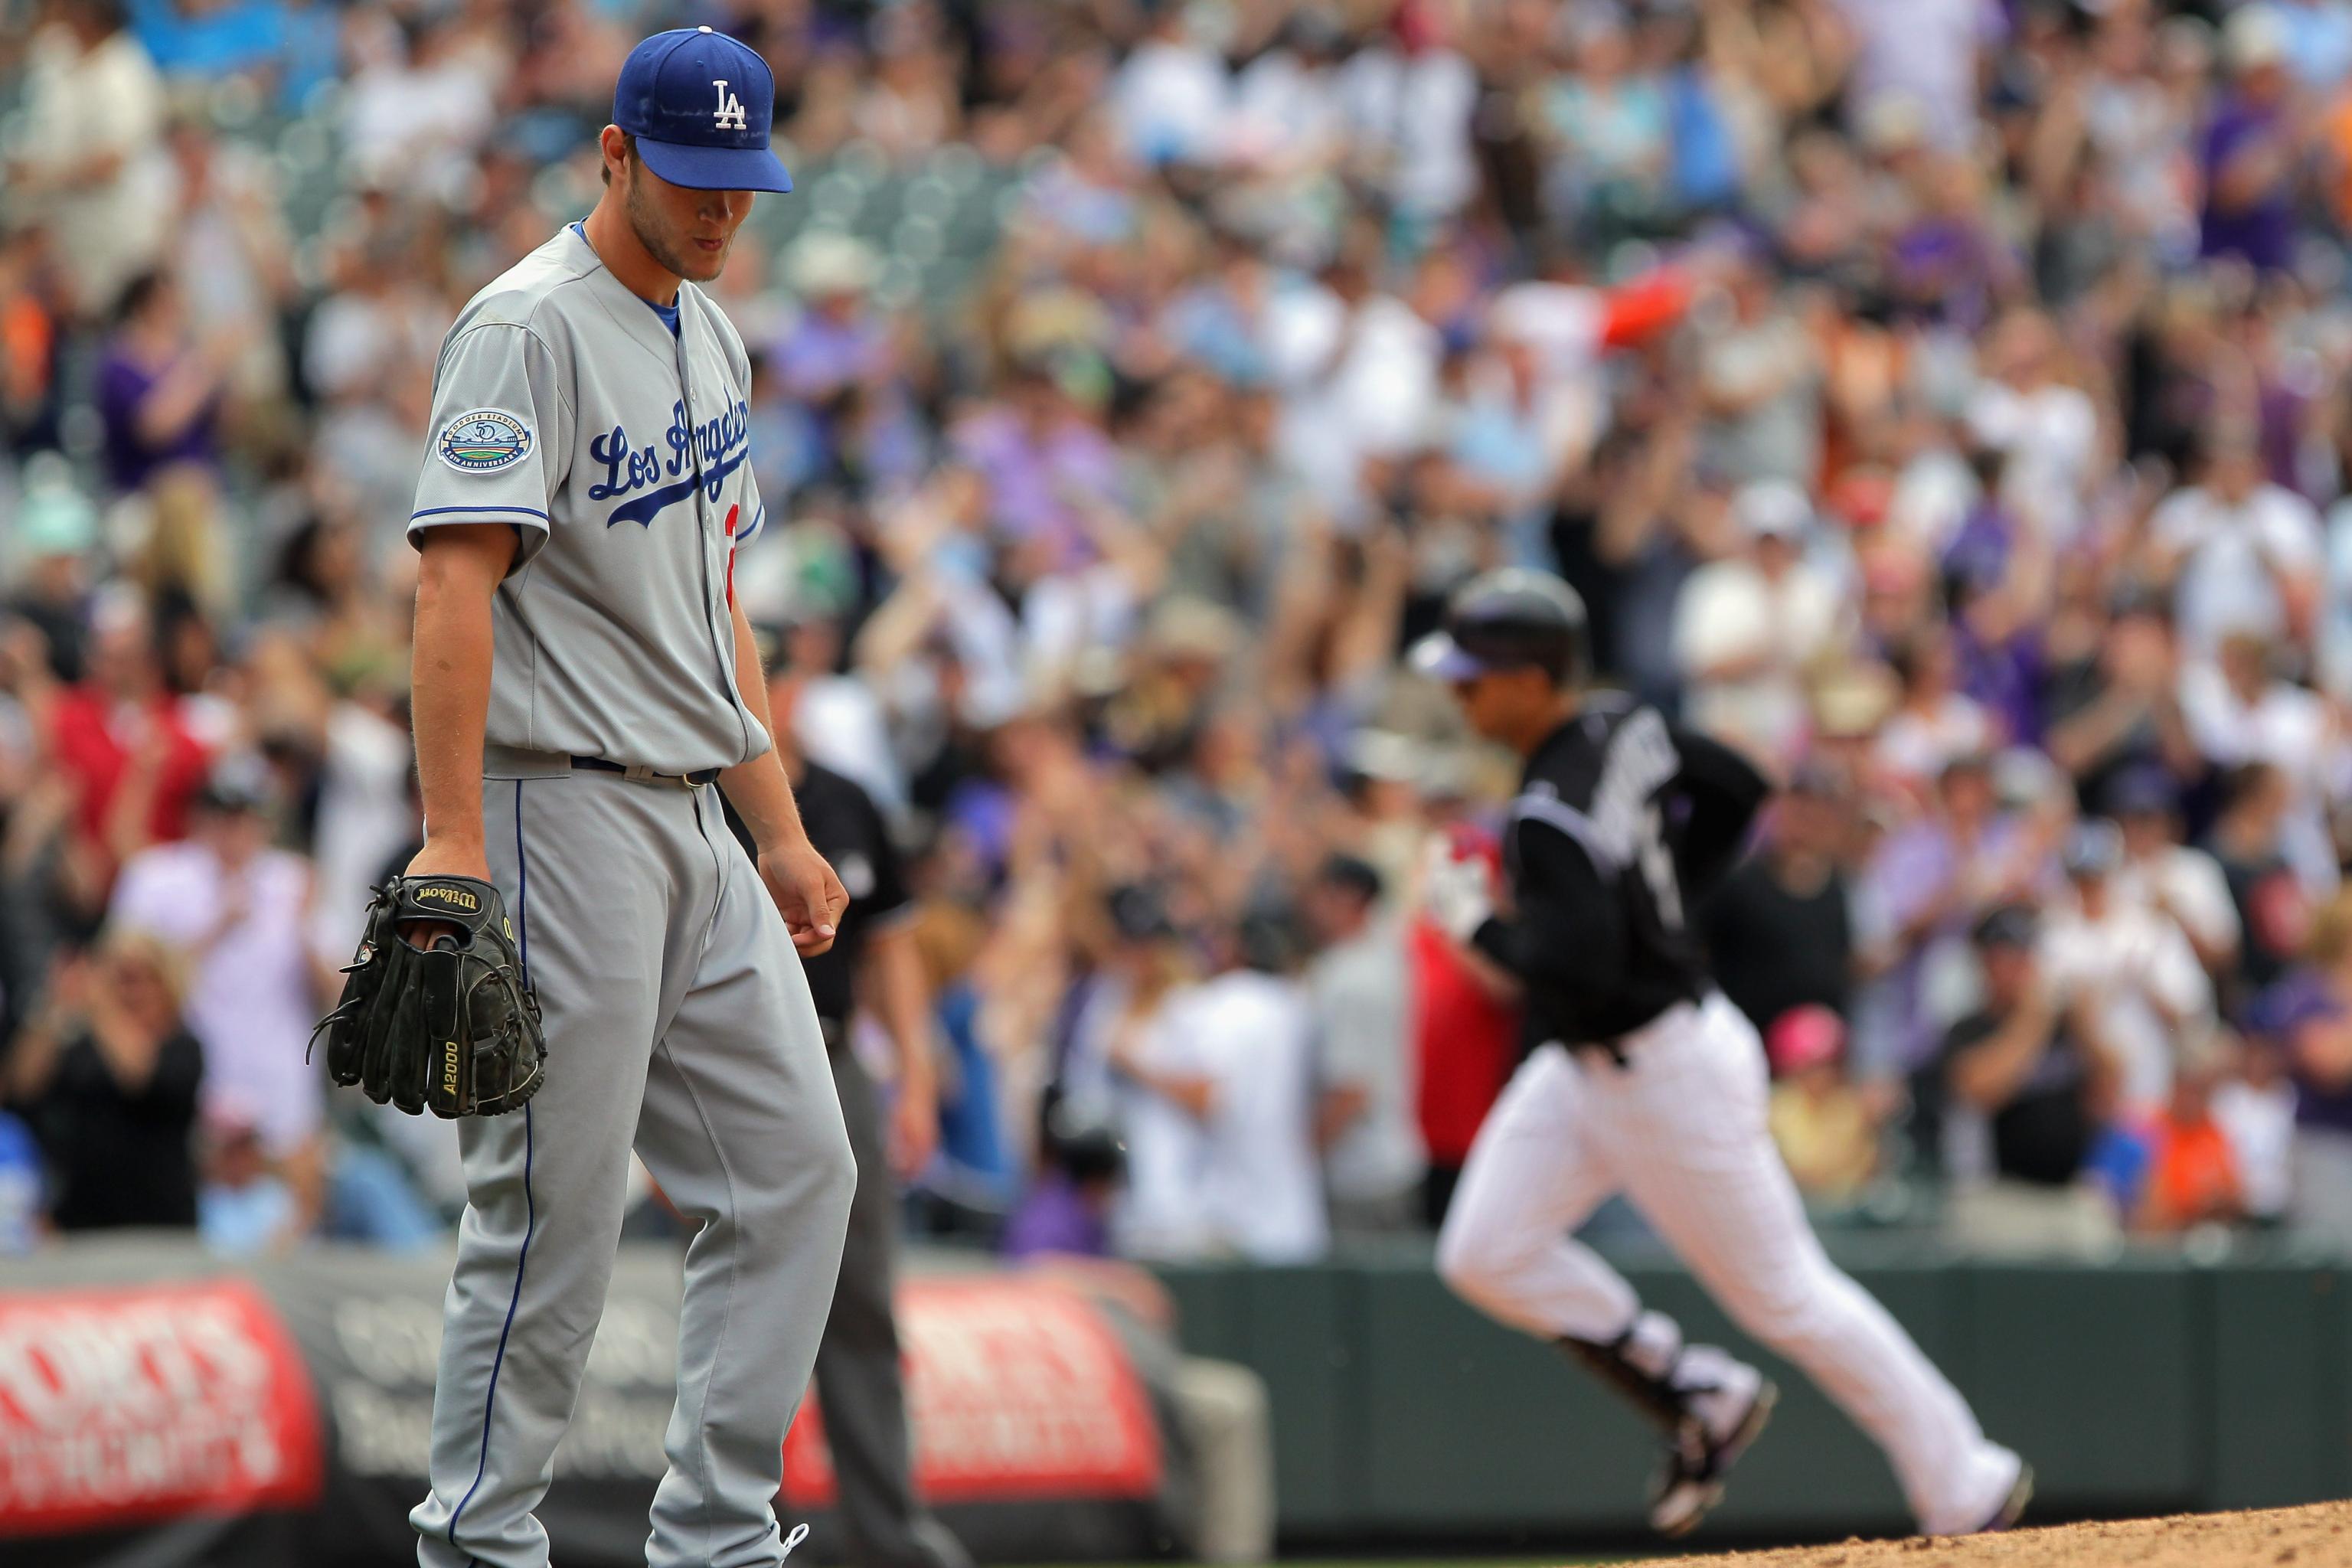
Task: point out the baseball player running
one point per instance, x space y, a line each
1650 1083
582 676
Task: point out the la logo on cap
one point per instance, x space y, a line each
729 116
699 104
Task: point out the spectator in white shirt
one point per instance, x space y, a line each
1172 99
1750 626
1408 105
2238 710
91 162
1358 369
1234 1058
1921 56
2332 652
2163 874
2048 430
2132 965
1286 115
1372 1153
2256 1110
2243 554
1759 380
1936 722
240 909
1129 1065
366 817
417 103
838 721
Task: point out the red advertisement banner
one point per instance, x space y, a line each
1015 1389
128 1406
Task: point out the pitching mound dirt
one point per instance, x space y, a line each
2319 1536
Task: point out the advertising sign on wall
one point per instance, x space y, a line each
284 1420
148 1403
1012 1392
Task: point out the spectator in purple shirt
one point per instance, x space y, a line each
1948 266
837 341
2308 1013
1048 465
834 375
1065 1213
159 390
2247 154
1926 887
1997 638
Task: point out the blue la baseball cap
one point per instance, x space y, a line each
699 104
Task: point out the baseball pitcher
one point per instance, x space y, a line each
583 678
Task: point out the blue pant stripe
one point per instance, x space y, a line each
522 890
530 1213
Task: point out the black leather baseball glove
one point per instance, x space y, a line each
452 1026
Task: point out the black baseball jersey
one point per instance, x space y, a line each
849 831
1621 824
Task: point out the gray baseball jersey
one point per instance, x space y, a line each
679 1018
562 405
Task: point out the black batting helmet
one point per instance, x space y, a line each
1515 618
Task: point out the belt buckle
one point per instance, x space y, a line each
1613 1048
644 774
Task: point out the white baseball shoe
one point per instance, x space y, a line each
1726 1403
2012 1506
2007 1487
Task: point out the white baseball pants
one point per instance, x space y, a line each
1680 1129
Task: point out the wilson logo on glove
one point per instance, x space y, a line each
452 1026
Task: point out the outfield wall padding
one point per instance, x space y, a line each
2150 1384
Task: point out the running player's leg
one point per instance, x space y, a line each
744 1130
1538 1169
1534 1174
1699 1162
546 1184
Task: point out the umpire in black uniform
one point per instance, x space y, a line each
872 961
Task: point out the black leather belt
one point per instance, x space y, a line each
1614 1048
645 774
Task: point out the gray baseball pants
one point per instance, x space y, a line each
679 1023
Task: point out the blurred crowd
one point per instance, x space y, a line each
1940 399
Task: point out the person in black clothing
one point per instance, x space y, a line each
2116 708
2274 912
873 961
1778 930
2035 1066
105 1075
1647 1080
